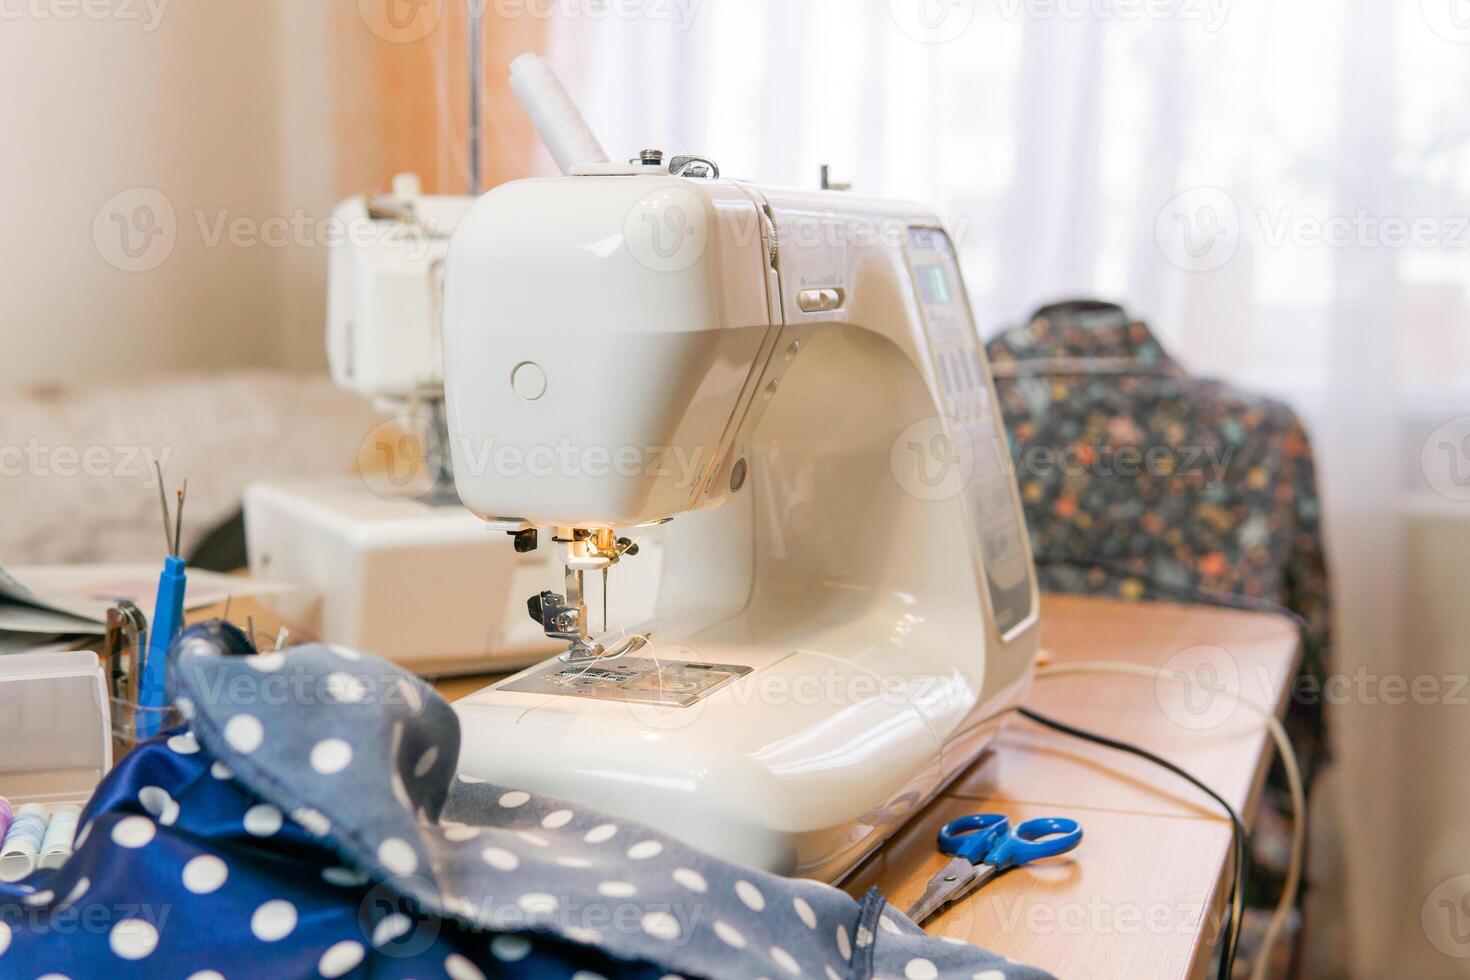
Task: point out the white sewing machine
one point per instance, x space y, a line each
795 380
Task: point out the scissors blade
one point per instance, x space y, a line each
952 881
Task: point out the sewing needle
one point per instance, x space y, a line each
163 502
179 519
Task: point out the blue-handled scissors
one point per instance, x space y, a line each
982 846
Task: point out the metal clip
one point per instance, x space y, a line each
695 167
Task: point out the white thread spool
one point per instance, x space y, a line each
22 845
61 835
553 113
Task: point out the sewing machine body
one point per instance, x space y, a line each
847 601
385 287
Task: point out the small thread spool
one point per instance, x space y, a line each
21 848
61 835
5 814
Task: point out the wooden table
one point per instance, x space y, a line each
1143 895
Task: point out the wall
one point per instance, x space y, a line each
216 135
184 104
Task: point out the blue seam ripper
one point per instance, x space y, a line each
168 620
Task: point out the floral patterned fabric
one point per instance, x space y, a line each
1142 482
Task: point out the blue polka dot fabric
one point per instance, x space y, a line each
308 822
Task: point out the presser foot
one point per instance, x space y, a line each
596 652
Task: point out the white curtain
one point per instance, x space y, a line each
1282 189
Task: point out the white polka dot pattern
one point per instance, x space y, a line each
538 903
392 927
273 921
510 949
616 889
330 756
133 832
460 968
919 968
729 935
661 925
340 959
643 850
398 856
184 743
600 834
263 820
205 874
500 859
691 879
266 662
344 877
133 939
785 961
750 895
344 688
315 822
244 733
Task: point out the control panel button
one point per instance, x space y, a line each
819 300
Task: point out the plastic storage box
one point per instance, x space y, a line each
55 730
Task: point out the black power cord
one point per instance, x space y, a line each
1232 933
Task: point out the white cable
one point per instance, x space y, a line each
1288 762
